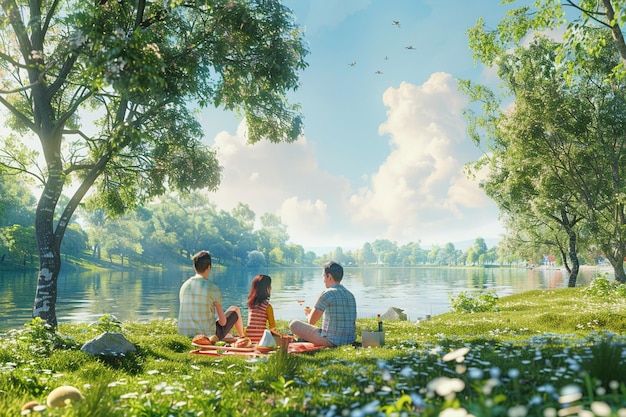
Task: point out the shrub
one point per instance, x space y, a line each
601 286
466 302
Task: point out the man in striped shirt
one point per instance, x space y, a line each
337 308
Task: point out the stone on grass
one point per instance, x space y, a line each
108 343
61 396
394 313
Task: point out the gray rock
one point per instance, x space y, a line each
394 313
109 343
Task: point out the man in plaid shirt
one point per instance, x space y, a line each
200 302
337 307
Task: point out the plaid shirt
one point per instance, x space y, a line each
339 320
198 296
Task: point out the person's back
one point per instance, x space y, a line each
197 313
260 312
257 322
339 318
337 307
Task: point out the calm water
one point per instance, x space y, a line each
144 296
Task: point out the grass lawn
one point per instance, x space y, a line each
546 353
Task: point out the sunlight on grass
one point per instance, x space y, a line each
551 353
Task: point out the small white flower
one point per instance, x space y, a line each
600 408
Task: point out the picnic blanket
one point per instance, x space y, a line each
296 347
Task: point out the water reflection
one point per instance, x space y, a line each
143 296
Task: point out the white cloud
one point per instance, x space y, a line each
283 179
419 193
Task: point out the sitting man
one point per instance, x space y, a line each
200 302
337 307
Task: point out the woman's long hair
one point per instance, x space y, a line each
259 290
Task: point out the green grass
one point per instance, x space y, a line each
523 359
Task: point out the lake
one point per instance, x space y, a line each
144 296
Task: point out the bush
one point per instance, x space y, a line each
466 302
601 286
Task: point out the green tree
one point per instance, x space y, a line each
75 242
272 234
134 66
447 255
20 241
255 259
123 238
17 205
367 254
569 100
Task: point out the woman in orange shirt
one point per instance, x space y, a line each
260 312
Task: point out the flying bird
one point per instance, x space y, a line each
352 64
378 72
409 47
396 23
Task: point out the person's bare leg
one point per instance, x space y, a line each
239 323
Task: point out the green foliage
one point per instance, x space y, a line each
42 339
108 323
467 302
280 365
559 140
603 287
604 361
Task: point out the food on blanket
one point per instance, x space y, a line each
220 343
214 338
264 349
201 339
243 342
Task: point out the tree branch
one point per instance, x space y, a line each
49 16
19 114
11 61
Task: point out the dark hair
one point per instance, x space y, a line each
202 261
334 269
259 290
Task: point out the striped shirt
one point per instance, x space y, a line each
260 318
339 319
198 296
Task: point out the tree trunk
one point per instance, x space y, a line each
618 267
573 276
49 255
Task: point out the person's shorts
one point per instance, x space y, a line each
231 319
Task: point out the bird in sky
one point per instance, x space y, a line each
409 47
396 23
352 64
378 72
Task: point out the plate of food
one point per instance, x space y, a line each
265 349
203 340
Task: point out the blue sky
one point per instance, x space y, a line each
384 144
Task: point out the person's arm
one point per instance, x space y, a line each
221 317
314 315
271 322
